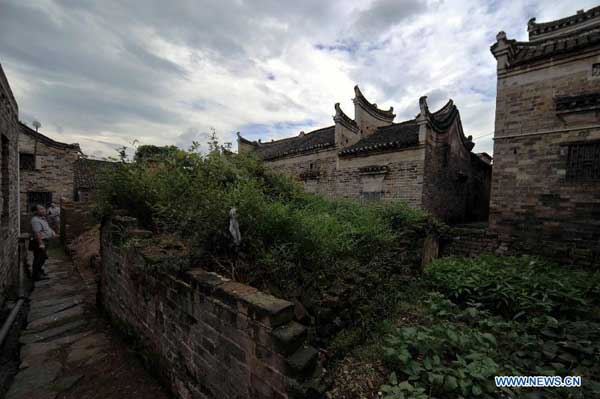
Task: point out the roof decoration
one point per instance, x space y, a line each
572 34
315 140
47 140
540 30
359 98
443 119
341 117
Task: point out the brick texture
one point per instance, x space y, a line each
55 173
534 205
206 336
9 234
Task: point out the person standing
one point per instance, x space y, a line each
41 234
54 217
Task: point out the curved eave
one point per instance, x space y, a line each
442 121
341 117
359 97
245 141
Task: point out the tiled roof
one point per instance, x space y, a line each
87 171
317 139
47 140
395 136
526 52
536 29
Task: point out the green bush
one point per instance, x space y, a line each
344 261
516 286
500 316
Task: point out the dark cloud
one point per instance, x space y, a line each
385 14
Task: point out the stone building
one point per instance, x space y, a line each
46 171
9 190
426 161
87 173
546 181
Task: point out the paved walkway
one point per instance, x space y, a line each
68 349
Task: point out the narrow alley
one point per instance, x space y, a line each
68 349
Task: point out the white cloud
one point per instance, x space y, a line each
106 73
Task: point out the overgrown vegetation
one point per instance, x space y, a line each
353 272
341 262
498 316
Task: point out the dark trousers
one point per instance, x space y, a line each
39 258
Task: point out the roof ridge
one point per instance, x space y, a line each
295 137
27 130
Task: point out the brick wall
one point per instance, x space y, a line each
9 234
55 175
208 337
344 179
533 204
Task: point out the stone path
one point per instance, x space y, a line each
68 350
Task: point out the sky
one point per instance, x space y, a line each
108 74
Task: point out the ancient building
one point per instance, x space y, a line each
46 171
426 161
546 180
9 190
87 173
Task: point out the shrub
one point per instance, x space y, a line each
345 262
516 286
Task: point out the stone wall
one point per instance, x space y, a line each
75 219
456 182
54 173
322 173
316 170
534 204
9 196
208 337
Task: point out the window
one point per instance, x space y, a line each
38 198
5 183
26 161
583 161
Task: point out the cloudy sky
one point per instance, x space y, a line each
106 73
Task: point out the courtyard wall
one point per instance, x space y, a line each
208 337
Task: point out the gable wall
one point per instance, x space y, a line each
56 174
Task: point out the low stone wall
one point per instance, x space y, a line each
75 219
208 337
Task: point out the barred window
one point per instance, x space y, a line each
583 162
26 161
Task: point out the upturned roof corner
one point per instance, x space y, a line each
359 99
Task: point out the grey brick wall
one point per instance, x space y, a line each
9 135
209 337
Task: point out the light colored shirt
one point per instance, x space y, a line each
40 225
